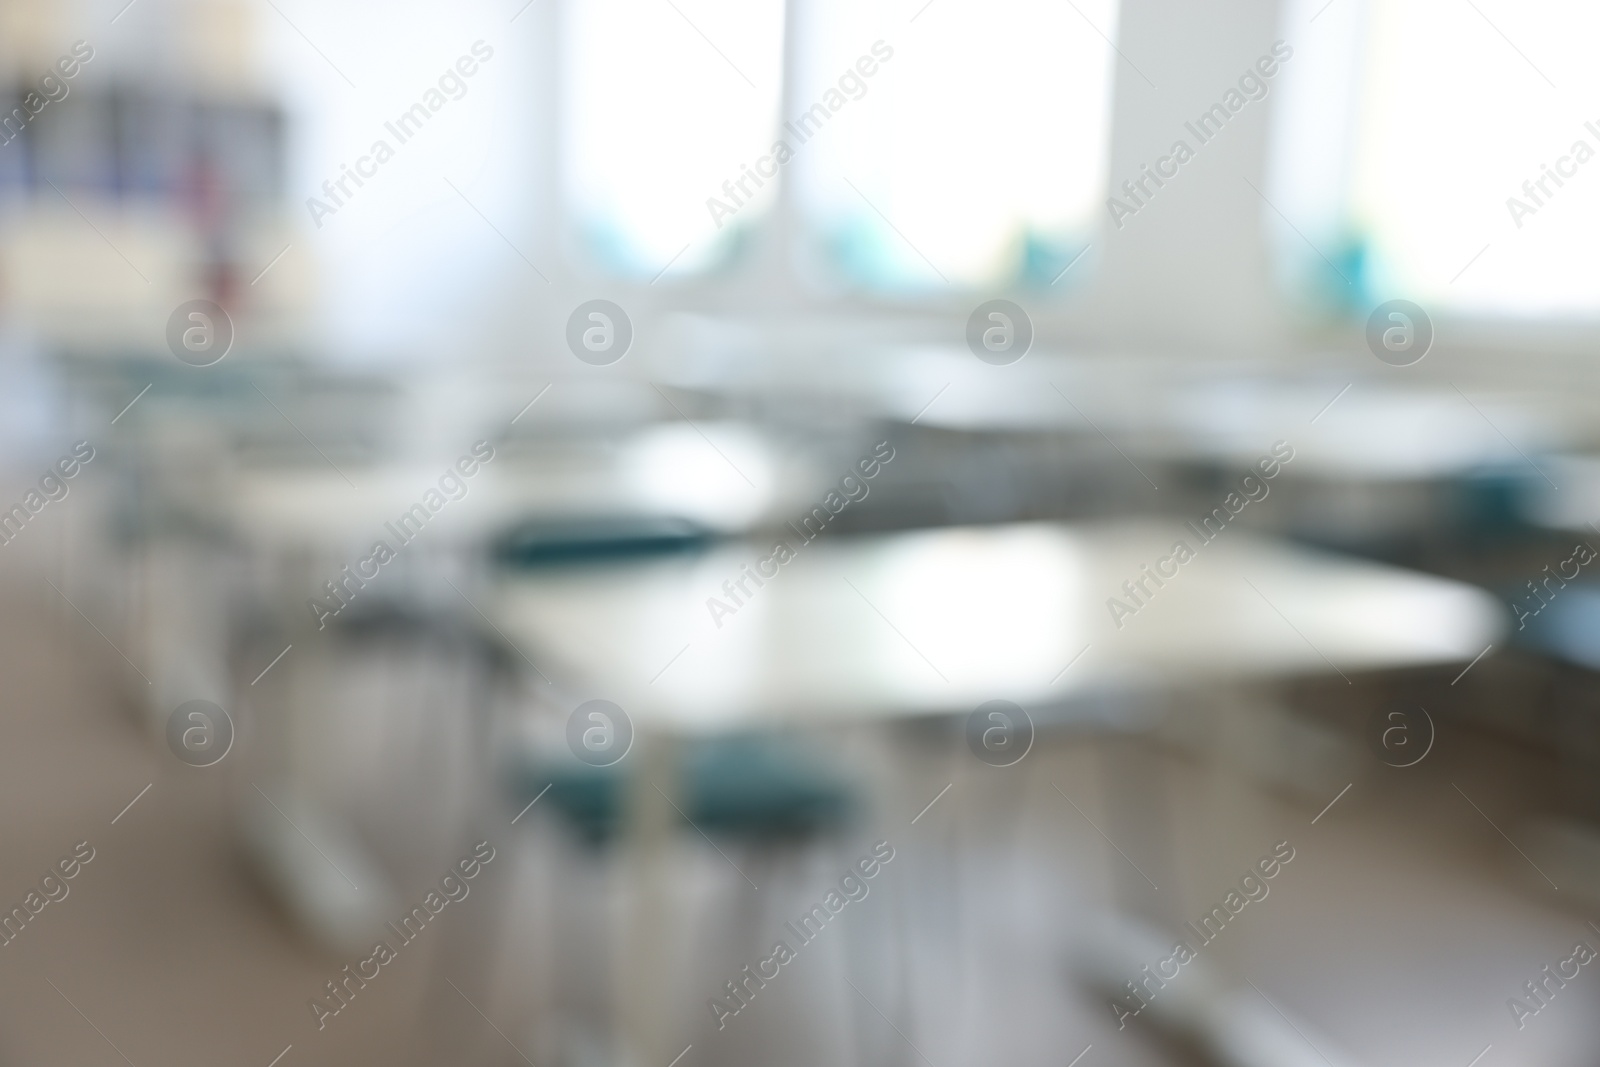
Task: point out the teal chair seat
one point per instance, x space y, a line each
757 788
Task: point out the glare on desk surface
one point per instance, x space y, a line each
660 470
940 621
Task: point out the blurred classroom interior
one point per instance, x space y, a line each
681 533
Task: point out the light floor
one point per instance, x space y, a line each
1399 930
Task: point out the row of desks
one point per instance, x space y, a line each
901 623
858 628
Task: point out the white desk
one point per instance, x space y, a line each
726 481
939 621
307 522
1387 427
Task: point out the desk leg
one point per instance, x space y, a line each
306 855
1138 819
642 957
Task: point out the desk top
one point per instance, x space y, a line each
722 476
1380 429
940 621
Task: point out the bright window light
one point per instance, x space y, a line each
975 153
1415 187
663 102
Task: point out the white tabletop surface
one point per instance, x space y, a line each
941 621
1382 428
723 476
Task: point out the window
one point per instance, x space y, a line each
925 144
1438 151
663 102
976 154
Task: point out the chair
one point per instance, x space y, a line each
769 800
